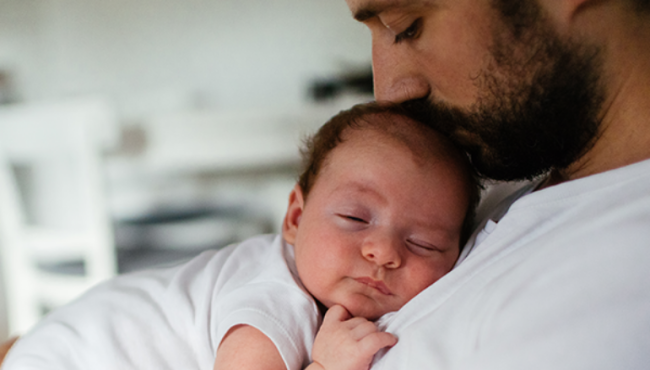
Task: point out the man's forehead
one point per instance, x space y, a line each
363 10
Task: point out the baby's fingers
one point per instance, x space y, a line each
376 341
334 314
361 329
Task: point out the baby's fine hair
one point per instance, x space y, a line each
317 147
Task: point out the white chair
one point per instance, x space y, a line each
52 205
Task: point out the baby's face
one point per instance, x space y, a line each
379 225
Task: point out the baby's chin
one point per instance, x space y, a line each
368 311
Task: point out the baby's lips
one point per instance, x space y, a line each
376 284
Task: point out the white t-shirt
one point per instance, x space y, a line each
560 282
175 318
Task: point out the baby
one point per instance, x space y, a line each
379 214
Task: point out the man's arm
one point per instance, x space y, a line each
245 347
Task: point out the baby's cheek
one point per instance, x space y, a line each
423 276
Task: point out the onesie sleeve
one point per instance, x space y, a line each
284 313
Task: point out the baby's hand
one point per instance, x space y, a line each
348 343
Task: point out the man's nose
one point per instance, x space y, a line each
396 76
383 251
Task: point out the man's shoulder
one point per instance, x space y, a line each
562 278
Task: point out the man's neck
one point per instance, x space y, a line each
624 134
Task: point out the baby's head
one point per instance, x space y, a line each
380 211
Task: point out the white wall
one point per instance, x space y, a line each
20 47
227 53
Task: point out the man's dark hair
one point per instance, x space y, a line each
317 148
520 14
642 5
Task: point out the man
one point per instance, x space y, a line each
553 91
557 278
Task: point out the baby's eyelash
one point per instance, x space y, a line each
356 219
422 246
410 33
352 218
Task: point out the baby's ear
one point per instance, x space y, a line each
293 215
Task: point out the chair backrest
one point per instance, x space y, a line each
52 203
19 281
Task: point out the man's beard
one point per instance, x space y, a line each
537 108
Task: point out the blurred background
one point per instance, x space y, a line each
137 133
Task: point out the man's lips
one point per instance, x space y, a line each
378 285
